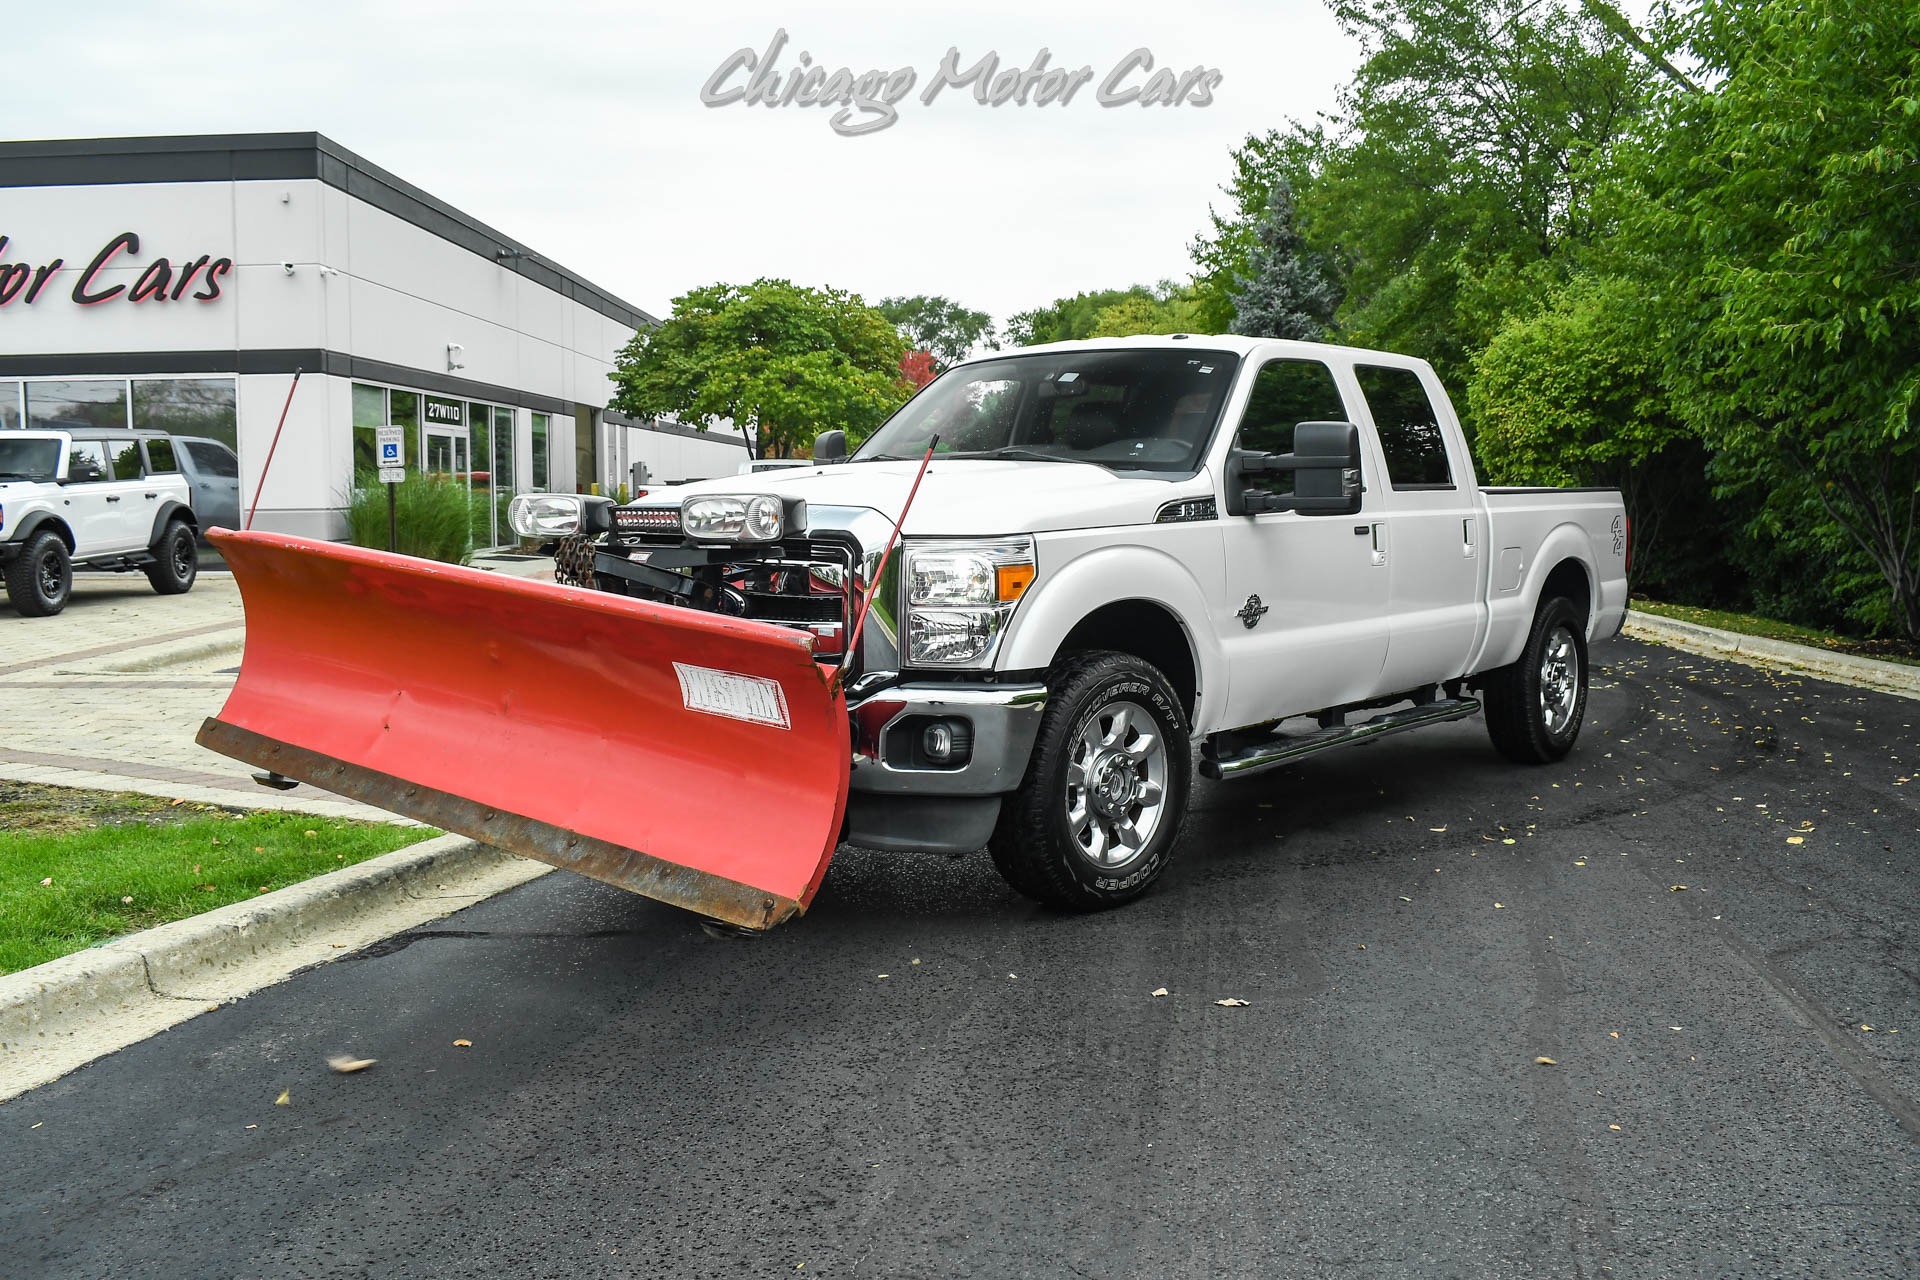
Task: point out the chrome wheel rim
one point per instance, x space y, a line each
1116 784
1559 682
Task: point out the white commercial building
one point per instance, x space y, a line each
178 284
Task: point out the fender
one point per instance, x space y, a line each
33 520
168 510
1511 615
1110 575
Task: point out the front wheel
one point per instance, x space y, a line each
176 560
1095 821
40 578
1535 706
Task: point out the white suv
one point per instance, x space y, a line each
95 497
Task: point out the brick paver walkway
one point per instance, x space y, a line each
111 692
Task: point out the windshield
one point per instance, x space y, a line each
1147 410
28 459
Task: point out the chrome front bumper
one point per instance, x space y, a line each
1005 720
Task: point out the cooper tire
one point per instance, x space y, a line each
1097 817
1536 705
40 578
176 560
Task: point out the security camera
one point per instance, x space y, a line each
287 267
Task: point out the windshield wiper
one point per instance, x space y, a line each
16 475
1016 453
881 457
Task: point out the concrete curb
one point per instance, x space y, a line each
1776 655
65 1013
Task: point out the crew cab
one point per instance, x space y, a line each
1123 549
102 498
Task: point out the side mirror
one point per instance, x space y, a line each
1326 465
829 446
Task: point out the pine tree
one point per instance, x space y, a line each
1289 290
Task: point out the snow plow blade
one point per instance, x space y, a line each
696 759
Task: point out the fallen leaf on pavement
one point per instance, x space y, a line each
1499 906
1796 840
1544 1061
1231 1003
463 1044
1159 991
1614 1034
1676 888
1614 1127
346 1066
285 1099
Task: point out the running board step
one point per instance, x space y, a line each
1286 748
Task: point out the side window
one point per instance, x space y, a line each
213 460
1409 428
160 456
86 461
1285 394
126 461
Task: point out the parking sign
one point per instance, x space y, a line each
388 440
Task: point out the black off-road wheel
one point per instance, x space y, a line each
1535 706
40 578
1096 819
176 560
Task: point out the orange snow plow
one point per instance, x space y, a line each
697 759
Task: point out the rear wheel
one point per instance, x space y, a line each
40 578
176 560
1095 821
1535 706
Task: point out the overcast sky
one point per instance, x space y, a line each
576 126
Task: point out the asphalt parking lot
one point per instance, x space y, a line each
1704 917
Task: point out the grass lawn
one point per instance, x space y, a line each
1748 625
80 867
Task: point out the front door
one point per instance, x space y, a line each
446 454
1304 622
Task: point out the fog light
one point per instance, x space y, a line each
937 742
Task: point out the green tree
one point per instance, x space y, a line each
1168 307
1289 290
1573 394
1223 256
781 361
1456 182
1787 209
940 326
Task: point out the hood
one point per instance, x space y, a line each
973 497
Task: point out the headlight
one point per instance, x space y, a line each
545 515
759 518
959 598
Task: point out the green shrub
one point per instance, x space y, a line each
432 518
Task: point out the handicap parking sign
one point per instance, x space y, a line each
388 441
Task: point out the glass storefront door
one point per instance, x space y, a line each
446 454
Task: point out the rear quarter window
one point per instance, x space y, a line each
160 456
213 460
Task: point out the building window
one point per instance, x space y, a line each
586 451
540 452
79 405
199 408
9 406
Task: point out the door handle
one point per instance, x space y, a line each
152 496
1379 544
1467 547
113 497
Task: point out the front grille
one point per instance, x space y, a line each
787 607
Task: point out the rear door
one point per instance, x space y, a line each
1304 623
132 500
92 518
1436 527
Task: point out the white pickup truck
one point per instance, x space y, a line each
1126 548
